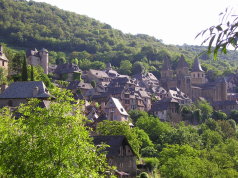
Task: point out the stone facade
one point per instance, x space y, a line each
119 154
193 83
38 58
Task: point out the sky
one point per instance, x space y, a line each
174 22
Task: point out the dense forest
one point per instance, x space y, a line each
90 43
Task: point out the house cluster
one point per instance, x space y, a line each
111 95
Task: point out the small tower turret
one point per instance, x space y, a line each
43 53
182 67
166 71
197 73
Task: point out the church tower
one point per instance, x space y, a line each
183 76
166 71
197 74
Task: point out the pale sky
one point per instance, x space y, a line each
173 21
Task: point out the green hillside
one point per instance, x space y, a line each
28 24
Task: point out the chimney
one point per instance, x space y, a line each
3 88
35 91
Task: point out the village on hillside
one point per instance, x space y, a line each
108 95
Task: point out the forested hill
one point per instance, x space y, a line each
28 24
31 24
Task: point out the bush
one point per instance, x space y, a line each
151 163
144 175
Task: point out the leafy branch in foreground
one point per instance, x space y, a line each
220 37
48 142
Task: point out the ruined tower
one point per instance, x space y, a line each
38 58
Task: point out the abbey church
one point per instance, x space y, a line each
193 83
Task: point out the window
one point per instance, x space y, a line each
2 63
127 102
126 95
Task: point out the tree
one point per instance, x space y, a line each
125 67
24 74
32 73
159 132
3 76
185 161
138 68
223 35
48 142
205 108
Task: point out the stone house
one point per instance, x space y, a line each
79 87
68 72
119 154
98 76
38 58
178 95
225 106
166 109
115 111
21 92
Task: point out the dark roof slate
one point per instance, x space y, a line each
114 141
182 63
197 66
25 90
67 68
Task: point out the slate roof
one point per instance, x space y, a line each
162 105
225 103
197 66
79 84
67 68
99 73
119 106
19 90
114 141
182 63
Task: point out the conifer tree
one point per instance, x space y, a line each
24 75
32 73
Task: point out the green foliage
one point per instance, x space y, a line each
184 161
144 175
48 142
205 108
38 75
159 132
125 67
93 83
3 76
24 74
151 163
138 68
136 114
222 35
234 115
120 128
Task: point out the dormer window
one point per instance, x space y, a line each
96 73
